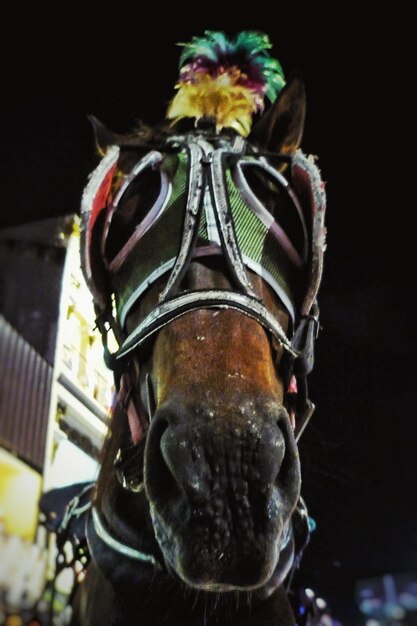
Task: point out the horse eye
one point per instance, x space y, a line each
276 200
133 206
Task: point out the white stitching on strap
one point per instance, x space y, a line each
168 311
116 545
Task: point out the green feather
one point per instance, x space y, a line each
214 44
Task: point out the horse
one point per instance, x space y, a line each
211 248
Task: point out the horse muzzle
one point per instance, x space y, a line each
221 491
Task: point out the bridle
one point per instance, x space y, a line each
204 169
218 210
206 164
208 198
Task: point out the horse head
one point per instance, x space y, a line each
203 248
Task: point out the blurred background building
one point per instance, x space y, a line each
55 391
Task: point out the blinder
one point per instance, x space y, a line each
245 232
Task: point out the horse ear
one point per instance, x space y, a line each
104 136
280 129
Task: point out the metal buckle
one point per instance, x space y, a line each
303 342
314 318
127 466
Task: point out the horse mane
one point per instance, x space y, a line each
152 133
142 132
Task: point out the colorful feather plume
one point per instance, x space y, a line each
226 79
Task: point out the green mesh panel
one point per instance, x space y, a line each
162 241
158 245
202 230
256 242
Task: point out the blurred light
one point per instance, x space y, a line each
395 611
20 488
368 606
64 581
13 620
408 600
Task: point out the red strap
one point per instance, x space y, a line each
293 390
135 418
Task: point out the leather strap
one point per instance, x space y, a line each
168 311
195 184
117 546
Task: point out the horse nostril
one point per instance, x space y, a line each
289 473
159 481
173 464
185 463
185 460
272 451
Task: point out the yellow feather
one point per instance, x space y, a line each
232 105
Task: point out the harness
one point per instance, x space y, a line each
208 208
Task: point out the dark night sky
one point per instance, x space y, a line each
359 452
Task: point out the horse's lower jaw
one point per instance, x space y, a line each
215 579
221 588
212 586
209 572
